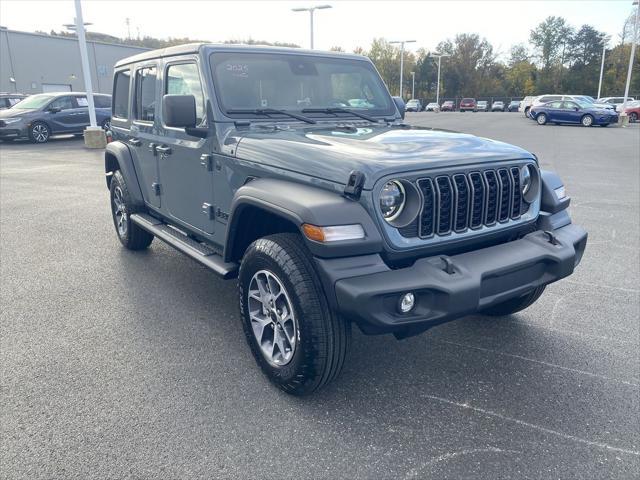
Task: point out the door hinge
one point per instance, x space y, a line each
156 188
206 160
208 210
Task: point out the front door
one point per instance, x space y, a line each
62 115
186 170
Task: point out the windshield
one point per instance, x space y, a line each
34 101
292 82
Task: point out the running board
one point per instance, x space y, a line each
200 252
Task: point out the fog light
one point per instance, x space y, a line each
407 302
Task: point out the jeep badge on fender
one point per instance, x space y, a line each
293 172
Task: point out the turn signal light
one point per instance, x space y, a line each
333 233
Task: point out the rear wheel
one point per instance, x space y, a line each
515 304
130 235
297 340
39 132
587 121
541 119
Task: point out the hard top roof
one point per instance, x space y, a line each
192 48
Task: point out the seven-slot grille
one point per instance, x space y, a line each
462 201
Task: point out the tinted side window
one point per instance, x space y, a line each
555 105
101 101
13 101
184 79
121 94
145 99
63 103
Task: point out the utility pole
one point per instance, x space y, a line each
311 10
623 116
604 49
128 22
413 84
401 42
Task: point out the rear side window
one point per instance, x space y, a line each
82 101
121 94
13 101
101 101
145 103
184 79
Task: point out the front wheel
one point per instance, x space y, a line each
633 117
587 121
39 132
298 342
541 119
515 304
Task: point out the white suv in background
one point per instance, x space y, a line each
525 105
615 101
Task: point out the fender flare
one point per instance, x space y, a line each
117 156
299 203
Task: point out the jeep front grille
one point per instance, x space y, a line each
459 202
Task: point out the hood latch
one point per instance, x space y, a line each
353 189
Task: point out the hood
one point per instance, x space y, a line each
13 112
332 152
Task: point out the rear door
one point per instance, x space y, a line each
554 111
144 130
185 162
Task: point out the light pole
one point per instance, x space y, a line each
94 135
623 115
413 84
604 48
439 55
402 42
311 10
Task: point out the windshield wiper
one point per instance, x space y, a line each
271 111
340 110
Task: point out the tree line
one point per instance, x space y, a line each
558 58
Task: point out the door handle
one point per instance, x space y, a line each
135 142
152 149
164 150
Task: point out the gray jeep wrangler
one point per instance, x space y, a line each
293 171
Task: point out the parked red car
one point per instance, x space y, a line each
633 110
448 106
468 104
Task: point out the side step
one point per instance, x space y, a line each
200 252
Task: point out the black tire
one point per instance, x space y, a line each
515 304
633 117
587 121
541 119
323 338
39 132
130 235
106 124
604 125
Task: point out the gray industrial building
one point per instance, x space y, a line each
35 63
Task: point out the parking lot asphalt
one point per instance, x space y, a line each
115 364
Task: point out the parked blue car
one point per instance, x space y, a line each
39 116
567 111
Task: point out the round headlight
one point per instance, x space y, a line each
392 200
525 179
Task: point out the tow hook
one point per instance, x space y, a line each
551 238
448 265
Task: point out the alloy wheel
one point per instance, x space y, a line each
120 211
40 133
272 318
587 120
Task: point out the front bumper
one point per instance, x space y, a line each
13 132
477 279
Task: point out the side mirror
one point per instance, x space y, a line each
576 109
179 111
54 109
399 105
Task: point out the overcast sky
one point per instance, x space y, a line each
348 24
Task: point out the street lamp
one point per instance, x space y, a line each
604 49
413 84
94 135
402 42
623 115
439 55
311 10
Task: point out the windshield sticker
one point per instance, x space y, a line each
237 69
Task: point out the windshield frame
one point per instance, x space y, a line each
49 98
213 59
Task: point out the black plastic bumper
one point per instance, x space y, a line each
476 280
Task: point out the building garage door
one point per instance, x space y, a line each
55 87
